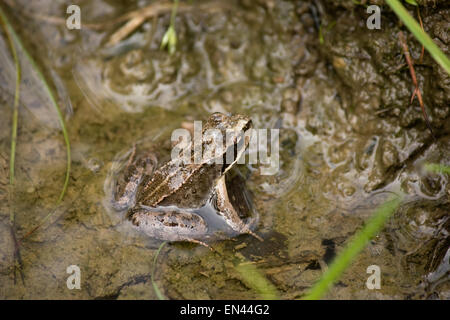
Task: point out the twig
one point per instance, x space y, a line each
416 91
435 52
421 25
133 19
124 31
136 18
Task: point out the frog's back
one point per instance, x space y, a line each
190 187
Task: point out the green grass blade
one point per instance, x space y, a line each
354 247
155 286
253 278
437 168
420 35
55 105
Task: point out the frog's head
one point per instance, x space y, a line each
234 129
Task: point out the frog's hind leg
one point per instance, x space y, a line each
127 197
170 224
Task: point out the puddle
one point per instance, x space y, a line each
348 139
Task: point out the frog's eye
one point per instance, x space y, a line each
217 117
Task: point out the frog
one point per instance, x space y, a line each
190 201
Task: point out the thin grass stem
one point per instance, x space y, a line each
155 286
56 107
15 113
15 119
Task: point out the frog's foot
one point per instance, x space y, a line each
250 232
200 243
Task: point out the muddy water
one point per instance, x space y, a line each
348 139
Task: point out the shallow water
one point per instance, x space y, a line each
338 159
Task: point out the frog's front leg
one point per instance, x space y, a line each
227 210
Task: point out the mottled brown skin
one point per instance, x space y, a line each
163 201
